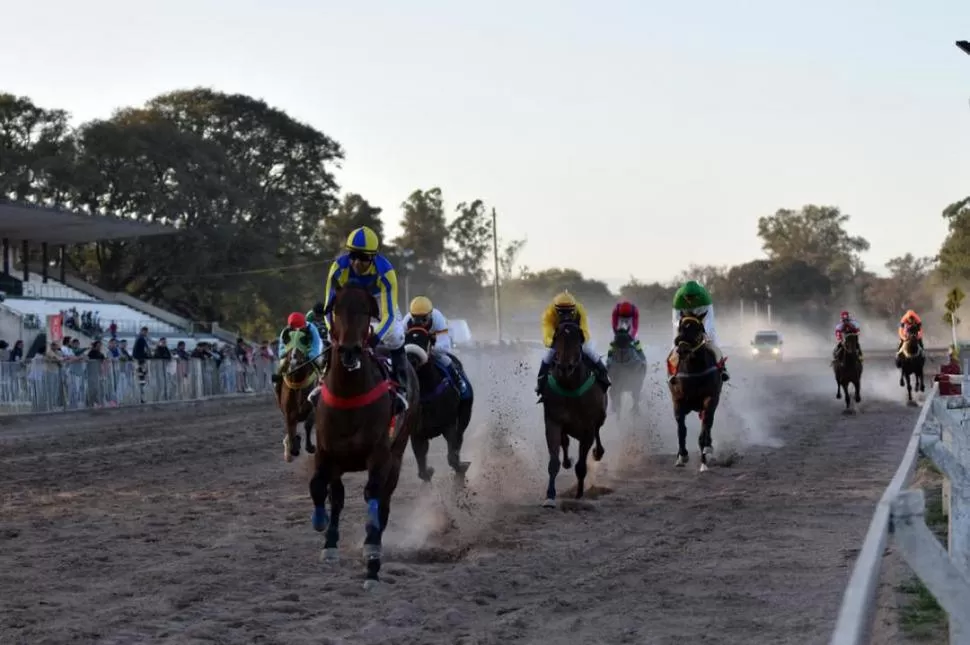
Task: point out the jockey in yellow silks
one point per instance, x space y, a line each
565 308
361 264
910 318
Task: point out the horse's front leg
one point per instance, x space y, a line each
704 440
598 450
838 387
584 445
318 493
454 440
567 463
420 446
858 395
681 416
333 529
308 433
903 376
909 388
377 470
553 445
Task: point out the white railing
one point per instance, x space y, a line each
940 435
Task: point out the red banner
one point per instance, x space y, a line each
55 327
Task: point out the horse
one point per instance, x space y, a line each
627 371
356 428
574 405
442 411
912 362
695 387
298 380
848 369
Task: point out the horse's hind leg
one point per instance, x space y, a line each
858 394
420 445
581 470
909 388
838 388
333 529
567 463
318 493
454 440
682 456
598 450
704 440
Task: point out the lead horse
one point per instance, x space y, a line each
298 380
695 386
627 372
848 369
574 405
442 412
356 428
911 362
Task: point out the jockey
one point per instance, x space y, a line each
909 319
692 299
847 324
421 313
317 318
361 264
294 322
565 308
626 317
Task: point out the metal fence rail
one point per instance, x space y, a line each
46 385
900 513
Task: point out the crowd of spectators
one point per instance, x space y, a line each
86 322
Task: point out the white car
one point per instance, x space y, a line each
767 344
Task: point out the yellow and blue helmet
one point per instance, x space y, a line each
363 240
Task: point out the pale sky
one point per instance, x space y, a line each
620 137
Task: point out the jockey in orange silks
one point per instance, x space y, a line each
909 319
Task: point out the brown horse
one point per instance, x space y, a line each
848 369
627 371
911 362
298 380
696 387
356 428
442 411
574 405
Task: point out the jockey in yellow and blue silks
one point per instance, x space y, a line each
361 264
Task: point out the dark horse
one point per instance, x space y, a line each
574 405
298 380
356 430
627 371
696 387
912 361
848 369
442 411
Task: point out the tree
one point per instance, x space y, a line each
905 288
352 212
710 276
955 253
507 256
424 233
545 284
815 235
648 296
36 147
954 299
470 241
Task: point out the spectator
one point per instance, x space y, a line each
113 329
4 351
95 352
162 351
141 352
125 355
180 352
76 349
17 353
113 350
55 352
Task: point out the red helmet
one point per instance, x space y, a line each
845 314
296 320
625 309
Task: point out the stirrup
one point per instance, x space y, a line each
403 399
315 392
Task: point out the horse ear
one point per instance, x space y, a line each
702 316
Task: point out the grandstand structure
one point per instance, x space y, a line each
31 294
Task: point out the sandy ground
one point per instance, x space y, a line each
185 526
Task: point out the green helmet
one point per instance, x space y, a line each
691 295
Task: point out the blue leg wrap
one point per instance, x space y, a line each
374 514
319 519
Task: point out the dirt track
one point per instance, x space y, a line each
186 526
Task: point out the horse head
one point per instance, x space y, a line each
690 335
296 350
567 343
417 345
911 345
353 307
850 342
622 338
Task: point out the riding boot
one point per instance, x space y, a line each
719 358
399 362
457 380
673 360
899 355
541 378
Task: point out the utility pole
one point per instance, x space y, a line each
495 284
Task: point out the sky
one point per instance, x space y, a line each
620 138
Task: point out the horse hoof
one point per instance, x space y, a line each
426 475
371 585
549 503
681 461
567 463
329 555
598 454
310 449
704 468
462 467
287 457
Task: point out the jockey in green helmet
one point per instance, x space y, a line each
692 299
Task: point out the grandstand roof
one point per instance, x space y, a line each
39 224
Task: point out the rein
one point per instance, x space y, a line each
352 402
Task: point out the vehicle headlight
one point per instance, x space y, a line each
754 350
775 350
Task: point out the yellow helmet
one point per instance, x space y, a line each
564 300
421 306
363 240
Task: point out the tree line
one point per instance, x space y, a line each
253 195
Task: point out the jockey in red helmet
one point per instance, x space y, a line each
297 321
847 324
626 320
